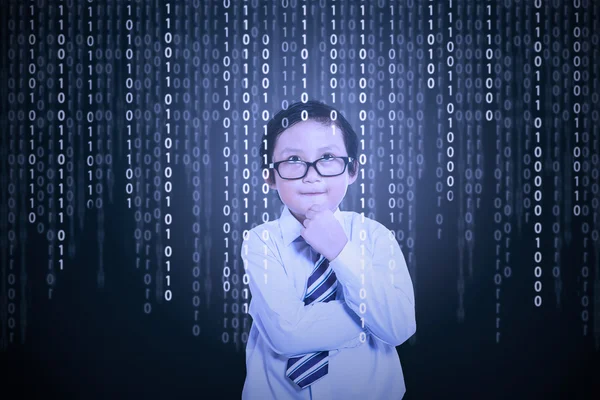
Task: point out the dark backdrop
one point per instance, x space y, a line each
130 170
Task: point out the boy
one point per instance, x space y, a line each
331 293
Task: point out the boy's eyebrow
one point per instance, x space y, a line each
289 149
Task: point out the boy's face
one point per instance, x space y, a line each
310 140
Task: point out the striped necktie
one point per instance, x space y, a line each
321 286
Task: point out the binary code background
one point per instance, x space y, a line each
130 170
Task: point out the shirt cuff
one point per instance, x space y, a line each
347 265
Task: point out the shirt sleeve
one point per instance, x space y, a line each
387 292
286 324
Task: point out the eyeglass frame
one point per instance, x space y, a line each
347 160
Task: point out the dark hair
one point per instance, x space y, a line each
311 110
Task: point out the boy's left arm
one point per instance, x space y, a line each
388 291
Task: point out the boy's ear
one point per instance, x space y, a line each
269 181
354 177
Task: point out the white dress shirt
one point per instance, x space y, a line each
279 262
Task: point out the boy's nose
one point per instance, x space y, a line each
312 173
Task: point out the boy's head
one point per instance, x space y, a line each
308 132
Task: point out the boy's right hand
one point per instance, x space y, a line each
323 232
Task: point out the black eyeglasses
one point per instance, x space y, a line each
325 166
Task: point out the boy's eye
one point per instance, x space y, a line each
326 156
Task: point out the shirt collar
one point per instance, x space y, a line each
290 227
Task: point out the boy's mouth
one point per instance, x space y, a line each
313 193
